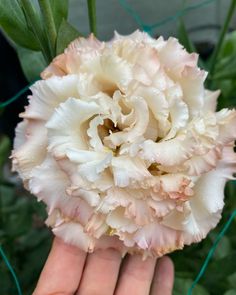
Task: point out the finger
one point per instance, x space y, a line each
136 276
100 273
62 271
163 278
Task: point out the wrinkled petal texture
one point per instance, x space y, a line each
124 145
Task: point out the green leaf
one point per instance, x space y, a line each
230 292
12 21
223 249
4 149
229 72
229 45
217 272
232 280
60 11
8 195
183 37
92 16
66 34
186 42
182 286
37 26
32 63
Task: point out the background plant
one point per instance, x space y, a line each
39 32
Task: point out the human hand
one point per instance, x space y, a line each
70 271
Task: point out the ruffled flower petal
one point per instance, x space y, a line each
66 127
127 170
90 164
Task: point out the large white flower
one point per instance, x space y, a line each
123 144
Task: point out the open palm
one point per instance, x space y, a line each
69 271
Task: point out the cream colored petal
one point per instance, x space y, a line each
205 131
96 226
161 208
128 170
210 100
48 94
85 44
90 196
178 109
192 83
49 184
137 36
65 128
95 140
133 148
108 105
110 71
90 164
33 151
116 220
198 165
162 81
130 134
168 153
104 182
73 234
56 68
174 57
227 122
71 60
146 64
135 209
204 209
20 134
87 85
152 128
140 212
176 186
158 239
158 105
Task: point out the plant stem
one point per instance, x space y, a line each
33 22
50 27
92 16
222 36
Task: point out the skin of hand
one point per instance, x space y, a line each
70 271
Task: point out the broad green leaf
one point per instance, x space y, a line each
37 25
59 10
182 286
66 34
32 63
4 149
13 23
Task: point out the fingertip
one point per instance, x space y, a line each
165 264
163 280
